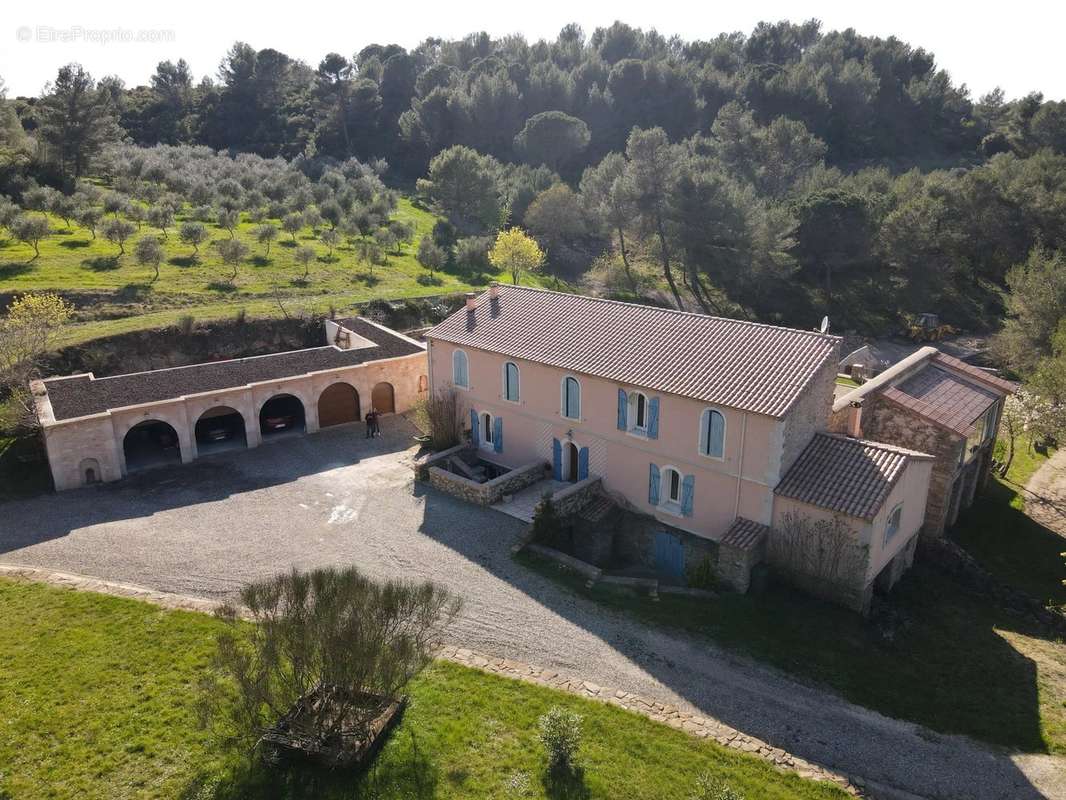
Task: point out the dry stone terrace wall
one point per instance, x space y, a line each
482 494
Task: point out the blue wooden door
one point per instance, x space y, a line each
669 554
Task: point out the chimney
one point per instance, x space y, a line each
471 301
494 289
855 419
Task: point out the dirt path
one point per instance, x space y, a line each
1045 498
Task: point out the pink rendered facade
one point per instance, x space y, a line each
755 449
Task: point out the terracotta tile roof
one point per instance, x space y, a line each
943 397
981 375
81 395
851 476
743 365
744 534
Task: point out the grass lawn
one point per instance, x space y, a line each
935 670
1011 545
127 297
843 380
98 695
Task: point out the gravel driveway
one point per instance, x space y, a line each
336 498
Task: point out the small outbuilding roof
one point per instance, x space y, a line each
849 476
82 395
744 534
744 365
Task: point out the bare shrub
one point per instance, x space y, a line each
332 642
440 414
824 550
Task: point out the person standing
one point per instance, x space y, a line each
371 418
377 424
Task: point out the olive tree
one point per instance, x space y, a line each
193 233
265 234
292 224
331 644
304 256
232 252
31 229
117 231
229 220
149 253
89 218
161 217
330 239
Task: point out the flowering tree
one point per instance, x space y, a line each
516 253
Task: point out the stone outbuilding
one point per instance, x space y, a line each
101 429
936 404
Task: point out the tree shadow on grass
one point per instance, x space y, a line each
301 282
287 243
12 268
565 784
367 277
75 244
261 261
184 261
405 772
102 263
225 287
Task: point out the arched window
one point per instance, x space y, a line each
486 431
712 433
671 489
570 407
460 369
511 388
638 411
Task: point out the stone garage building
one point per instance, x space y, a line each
101 429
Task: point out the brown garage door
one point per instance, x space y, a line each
382 398
338 403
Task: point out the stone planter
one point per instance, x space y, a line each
284 744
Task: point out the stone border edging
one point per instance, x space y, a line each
688 721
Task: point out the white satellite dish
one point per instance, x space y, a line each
824 327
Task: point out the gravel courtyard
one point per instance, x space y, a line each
337 498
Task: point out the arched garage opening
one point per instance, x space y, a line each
282 413
383 399
151 443
338 403
220 428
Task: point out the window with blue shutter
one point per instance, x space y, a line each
473 428
582 463
460 369
497 435
623 407
653 484
653 418
557 459
688 490
510 382
712 433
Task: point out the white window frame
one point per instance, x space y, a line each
518 382
562 397
667 503
631 413
486 431
703 433
888 537
456 353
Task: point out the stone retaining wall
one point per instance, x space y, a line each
573 498
489 492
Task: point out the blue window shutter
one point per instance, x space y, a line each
582 463
497 434
557 459
716 440
623 407
688 489
653 418
473 428
653 484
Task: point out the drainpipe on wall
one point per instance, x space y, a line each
740 466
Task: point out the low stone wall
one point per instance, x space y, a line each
735 564
483 494
421 466
573 498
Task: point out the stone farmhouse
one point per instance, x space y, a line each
716 430
940 405
101 429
